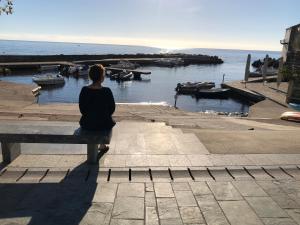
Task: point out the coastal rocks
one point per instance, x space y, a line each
272 62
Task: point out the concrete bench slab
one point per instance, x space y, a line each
11 135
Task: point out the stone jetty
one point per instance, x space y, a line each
20 62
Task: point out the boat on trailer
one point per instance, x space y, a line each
192 88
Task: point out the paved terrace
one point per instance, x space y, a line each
164 166
157 174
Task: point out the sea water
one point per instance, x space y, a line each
159 87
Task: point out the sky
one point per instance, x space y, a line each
167 24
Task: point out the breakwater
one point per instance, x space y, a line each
142 59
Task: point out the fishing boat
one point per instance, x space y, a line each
79 70
124 76
192 88
114 76
82 71
49 79
213 93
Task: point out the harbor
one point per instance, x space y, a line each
191 118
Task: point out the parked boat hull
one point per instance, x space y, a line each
193 88
213 93
49 80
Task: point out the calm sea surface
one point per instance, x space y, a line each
158 87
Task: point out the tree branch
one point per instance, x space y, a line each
6 6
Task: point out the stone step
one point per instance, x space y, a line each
161 174
161 160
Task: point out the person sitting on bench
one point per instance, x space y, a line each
97 104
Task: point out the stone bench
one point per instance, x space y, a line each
12 135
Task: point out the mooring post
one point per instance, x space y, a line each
175 97
279 75
264 68
247 69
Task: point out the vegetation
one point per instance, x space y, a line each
289 73
6 6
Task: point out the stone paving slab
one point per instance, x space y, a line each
249 189
151 203
278 221
168 209
256 162
224 191
239 212
211 210
128 208
265 207
191 215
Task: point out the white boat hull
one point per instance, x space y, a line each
49 80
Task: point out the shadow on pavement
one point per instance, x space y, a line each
2 165
66 202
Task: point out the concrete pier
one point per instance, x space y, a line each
270 101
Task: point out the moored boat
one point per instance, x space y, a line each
124 76
114 76
192 88
49 79
213 93
79 70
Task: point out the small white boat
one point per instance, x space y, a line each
49 79
79 70
72 69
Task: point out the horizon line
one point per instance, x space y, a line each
131 45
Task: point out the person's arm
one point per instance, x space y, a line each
111 102
83 103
